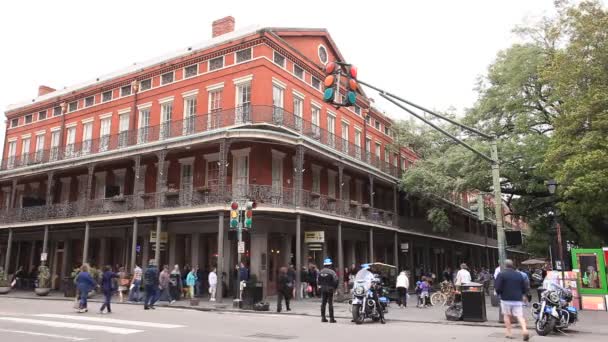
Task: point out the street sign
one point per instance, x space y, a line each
163 237
241 247
314 237
43 256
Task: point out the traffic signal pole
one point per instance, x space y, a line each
492 159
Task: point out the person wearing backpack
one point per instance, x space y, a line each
151 285
284 289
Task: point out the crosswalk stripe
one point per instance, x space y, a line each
64 337
77 326
113 321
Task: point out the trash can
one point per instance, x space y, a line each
253 293
473 302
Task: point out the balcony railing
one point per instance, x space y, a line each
264 195
245 115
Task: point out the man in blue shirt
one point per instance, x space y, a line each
511 286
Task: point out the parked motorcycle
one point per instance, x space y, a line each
369 301
554 311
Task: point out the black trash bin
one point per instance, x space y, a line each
252 294
473 302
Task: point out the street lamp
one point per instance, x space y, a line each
552 187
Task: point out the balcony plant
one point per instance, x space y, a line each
5 285
44 281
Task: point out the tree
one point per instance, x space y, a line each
546 101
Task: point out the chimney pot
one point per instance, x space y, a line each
222 26
43 90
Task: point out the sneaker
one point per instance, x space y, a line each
526 337
172 301
332 321
324 320
146 308
152 307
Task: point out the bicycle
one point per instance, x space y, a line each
445 296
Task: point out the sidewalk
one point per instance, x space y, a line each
590 321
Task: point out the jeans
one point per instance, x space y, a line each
303 287
151 295
83 300
134 295
107 298
283 295
402 299
327 297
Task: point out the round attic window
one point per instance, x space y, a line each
322 54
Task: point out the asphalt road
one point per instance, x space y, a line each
37 320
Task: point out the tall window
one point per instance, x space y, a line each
357 144
378 147
144 125
186 183
345 141
240 172
277 173
123 129
277 103
104 134
331 128
39 147
213 173
298 108
55 135
12 151
25 151
166 111
243 101
215 108
331 183
189 114
387 155
70 141
315 112
87 137
316 180
368 149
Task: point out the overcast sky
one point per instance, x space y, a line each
430 52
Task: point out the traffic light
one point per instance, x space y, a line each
249 206
234 215
351 86
477 205
331 82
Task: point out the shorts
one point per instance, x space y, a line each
512 308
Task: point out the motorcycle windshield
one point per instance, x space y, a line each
364 277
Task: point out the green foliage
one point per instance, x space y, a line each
4 278
546 101
44 277
439 219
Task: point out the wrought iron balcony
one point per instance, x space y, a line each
264 195
235 117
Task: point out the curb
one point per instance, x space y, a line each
227 309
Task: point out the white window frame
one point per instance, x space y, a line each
331 188
331 128
105 129
111 95
243 109
125 86
70 140
238 156
87 139
284 59
143 126
189 115
298 109
70 110
357 142
123 127
315 119
162 82
215 94
140 88
316 178
220 68
345 135
26 142
186 67
12 152
247 60
278 161
40 136
211 158
294 71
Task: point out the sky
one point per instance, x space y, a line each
429 52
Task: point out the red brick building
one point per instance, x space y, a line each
97 171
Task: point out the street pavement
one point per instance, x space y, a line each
55 320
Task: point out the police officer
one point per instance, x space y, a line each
328 282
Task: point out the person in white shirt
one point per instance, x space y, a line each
402 285
212 285
496 272
463 276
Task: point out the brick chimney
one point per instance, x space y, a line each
222 26
43 90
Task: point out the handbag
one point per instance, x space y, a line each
309 289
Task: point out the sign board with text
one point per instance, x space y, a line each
163 237
314 237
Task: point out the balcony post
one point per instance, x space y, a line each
85 252
160 177
298 256
137 182
395 206
134 244
220 255
396 250
159 224
45 244
13 194
299 175
9 245
91 169
341 208
371 191
49 187
223 164
371 245
341 288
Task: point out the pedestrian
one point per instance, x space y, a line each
85 284
135 284
151 285
304 283
511 286
107 287
284 289
164 280
191 282
212 284
486 278
463 276
402 285
123 283
291 274
243 273
328 282
312 280
175 283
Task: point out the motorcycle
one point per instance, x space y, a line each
369 301
554 311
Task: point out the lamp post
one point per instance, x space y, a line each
552 187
